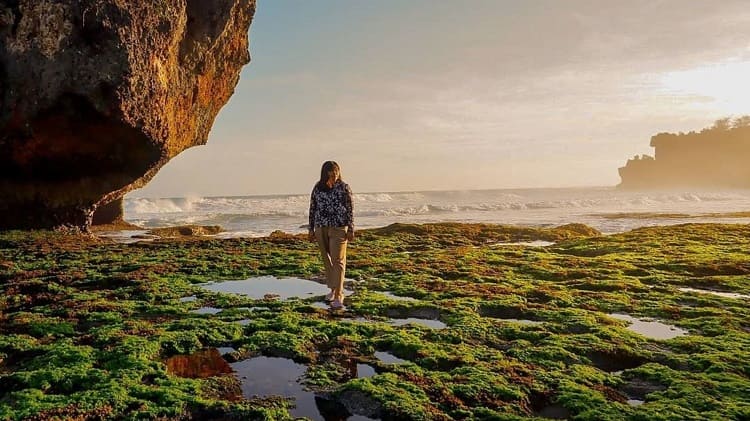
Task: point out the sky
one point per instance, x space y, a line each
459 95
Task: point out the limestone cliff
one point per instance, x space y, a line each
97 95
715 157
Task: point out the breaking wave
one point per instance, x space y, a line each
524 206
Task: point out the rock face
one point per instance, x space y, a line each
97 95
110 213
715 157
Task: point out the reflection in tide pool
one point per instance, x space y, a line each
262 286
202 364
432 324
635 402
523 321
649 328
267 376
261 376
388 358
127 236
535 243
365 371
357 370
717 293
206 310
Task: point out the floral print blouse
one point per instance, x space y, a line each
331 207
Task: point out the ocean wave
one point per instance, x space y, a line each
388 197
249 212
167 205
257 204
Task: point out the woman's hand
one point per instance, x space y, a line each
350 235
311 236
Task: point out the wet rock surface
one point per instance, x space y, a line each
186 231
97 95
359 403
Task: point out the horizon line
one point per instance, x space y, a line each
383 192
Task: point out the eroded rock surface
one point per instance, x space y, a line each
97 95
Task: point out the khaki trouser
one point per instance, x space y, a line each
332 244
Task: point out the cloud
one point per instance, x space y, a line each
500 93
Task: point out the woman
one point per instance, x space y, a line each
332 226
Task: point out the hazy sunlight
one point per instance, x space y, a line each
723 86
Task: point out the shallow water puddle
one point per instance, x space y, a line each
635 402
364 371
649 328
320 305
358 370
202 364
206 310
357 320
522 321
251 309
262 376
431 323
225 350
717 293
535 243
128 236
388 358
270 287
267 376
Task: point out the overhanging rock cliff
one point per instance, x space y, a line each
97 95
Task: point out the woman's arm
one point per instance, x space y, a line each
349 203
313 209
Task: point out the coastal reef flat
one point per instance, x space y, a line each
443 321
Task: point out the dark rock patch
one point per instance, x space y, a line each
359 403
637 388
416 312
616 361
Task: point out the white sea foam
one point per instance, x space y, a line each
180 204
260 215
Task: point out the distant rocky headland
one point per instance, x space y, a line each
97 95
715 157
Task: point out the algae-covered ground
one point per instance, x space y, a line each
91 329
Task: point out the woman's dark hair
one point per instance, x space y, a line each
327 167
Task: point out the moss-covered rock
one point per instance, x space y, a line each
87 325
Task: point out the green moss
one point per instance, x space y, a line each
86 325
397 397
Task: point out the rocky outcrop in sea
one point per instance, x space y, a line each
715 157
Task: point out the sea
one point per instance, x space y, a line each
607 209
